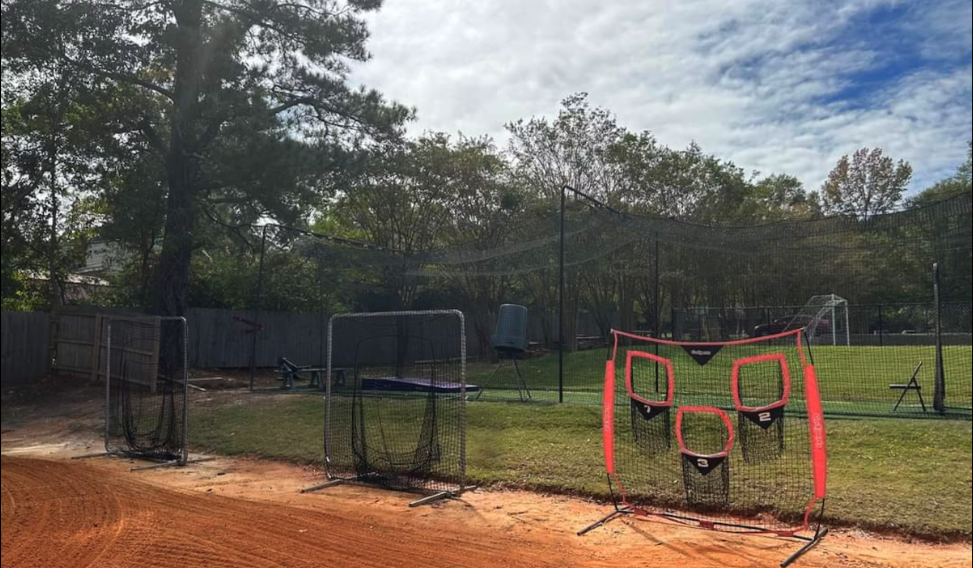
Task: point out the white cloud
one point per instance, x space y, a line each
754 81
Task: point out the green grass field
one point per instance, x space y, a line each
852 380
911 477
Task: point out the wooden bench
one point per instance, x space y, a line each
289 372
340 376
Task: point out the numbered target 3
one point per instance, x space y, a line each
705 436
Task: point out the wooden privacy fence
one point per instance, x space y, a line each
25 349
217 339
80 342
134 346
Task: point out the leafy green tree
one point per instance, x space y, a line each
950 187
405 200
484 217
867 184
45 175
575 149
689 185
22 215
256 116
956 262
782 196
966 170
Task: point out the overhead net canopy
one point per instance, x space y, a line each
777 264
683 280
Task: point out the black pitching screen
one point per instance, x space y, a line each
147 388
396 400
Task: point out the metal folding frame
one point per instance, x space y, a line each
333 478
110 449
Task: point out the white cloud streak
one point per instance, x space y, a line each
758 82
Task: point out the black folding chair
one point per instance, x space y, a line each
912 385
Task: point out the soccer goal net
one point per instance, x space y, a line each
824 319
147 388
396 400
729 436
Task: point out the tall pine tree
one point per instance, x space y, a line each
252 113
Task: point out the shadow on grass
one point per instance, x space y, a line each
895 476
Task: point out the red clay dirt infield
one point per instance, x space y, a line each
249 514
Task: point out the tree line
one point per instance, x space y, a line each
178 130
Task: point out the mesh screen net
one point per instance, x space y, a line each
396 400
147 388
680 279
726 434
957 331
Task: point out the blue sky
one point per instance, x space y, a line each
777 87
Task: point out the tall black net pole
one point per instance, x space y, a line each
322 319
560 301
657 316
939 400
256 307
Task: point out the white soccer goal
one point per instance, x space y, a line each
825 320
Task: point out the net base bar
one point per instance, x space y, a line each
439 496
171 463
433 498
326 485
159 465
605 520
95 456
809 541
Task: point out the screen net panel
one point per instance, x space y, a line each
734 448
147 388
396 400
626 267
957 341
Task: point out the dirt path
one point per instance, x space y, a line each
242 513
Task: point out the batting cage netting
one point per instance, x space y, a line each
147 388
861 285
712 433
396 400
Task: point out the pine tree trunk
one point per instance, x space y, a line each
172 296
182 164
483 324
